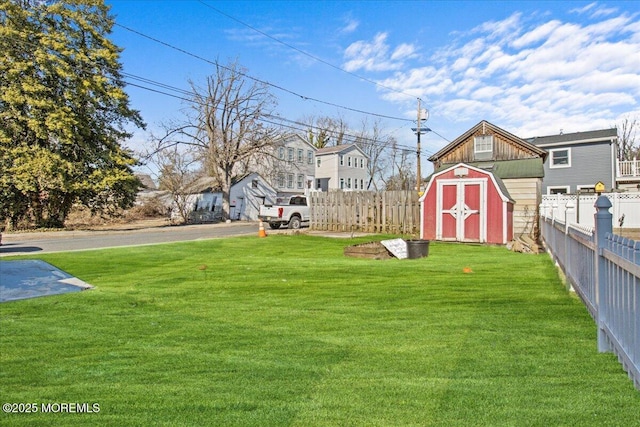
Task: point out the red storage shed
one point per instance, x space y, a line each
467 204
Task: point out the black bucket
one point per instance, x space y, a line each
417 248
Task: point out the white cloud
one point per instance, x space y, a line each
594 10
584 9
537 34
604 12
375 55
506 28
350 26
534 76
403 52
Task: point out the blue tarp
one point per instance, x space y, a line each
23 279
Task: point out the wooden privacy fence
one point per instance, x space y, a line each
604 270
396 212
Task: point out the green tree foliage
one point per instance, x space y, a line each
63 112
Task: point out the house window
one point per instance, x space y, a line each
281 180
310 157
355 184
586 189
558 190
281 153
300 181
318 184
483 147
362 184
290 180
348 182
254 183
560 158
361 163
317 162
300 155
349 161
341 160
342 183
290 154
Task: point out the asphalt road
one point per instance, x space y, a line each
62 241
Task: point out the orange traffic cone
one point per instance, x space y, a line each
261 232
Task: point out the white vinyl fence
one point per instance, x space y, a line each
625 207
604 270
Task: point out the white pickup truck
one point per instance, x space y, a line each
292 215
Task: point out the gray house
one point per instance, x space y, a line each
577 161
341 167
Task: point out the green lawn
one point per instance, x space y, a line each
288 331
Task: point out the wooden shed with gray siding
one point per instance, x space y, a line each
516 163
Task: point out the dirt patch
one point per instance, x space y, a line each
124 225
371 250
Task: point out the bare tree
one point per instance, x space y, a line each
627 147
325 131
225 125
178 174
402 176
228 127
373 143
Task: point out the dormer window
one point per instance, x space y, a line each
483 147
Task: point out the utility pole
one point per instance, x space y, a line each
418 186
422 115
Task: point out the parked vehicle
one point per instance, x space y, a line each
292 215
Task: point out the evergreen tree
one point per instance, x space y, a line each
63 112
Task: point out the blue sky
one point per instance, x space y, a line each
532 68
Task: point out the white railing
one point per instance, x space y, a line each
625 207
628 168
604 270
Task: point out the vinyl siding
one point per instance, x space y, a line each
590 163
330 168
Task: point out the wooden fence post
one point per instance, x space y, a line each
603 225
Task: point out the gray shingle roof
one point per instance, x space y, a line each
334 149
576 137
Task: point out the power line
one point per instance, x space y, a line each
215 63
303 97
187 96
268 118
315 58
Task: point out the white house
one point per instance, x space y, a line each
246 195
291 168
342 167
